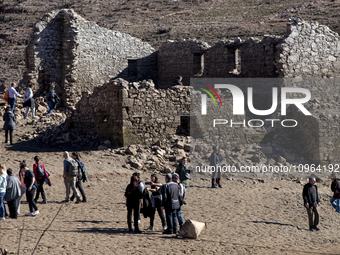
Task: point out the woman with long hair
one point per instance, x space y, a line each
133 197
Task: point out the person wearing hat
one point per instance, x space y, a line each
171 203
336 189
215 164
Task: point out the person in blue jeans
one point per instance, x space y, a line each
12 93
3 184
172 200
50 98
336 197
175 179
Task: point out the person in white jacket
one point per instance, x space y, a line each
3 184
29 101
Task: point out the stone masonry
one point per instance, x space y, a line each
131 113
78 55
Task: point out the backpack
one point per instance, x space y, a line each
6 96
73 165
41 172
83 172
56 100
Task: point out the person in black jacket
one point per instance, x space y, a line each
9 125
311 201
336 197
133 199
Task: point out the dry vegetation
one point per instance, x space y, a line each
157 21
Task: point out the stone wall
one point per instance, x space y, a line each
131 113
184 57
318 136
257 57
79 55
309 50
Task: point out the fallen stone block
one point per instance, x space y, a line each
192 229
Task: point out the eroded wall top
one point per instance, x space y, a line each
309 50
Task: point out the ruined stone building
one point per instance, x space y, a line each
79 55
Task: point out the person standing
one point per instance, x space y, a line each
70 176
29 101
3 184
175 179
31 186
39 174
184 175
12 93
133 198
215 163
311 202
156 201
80 176
336 196
21 176
13 191
9 125
172 198
50 98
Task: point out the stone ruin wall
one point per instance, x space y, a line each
130 113
309 50
318 135
177 58
79 55
193 58
44 60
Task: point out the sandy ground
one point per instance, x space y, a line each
247 216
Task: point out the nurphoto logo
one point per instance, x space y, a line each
238 102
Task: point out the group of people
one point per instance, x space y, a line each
9 117
31 182
74 173
13 187
169 196
312 201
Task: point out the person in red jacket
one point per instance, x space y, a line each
39 174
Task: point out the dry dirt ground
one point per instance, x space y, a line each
245 217
159 20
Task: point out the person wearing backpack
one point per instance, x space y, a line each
39 174
70 176
81 176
